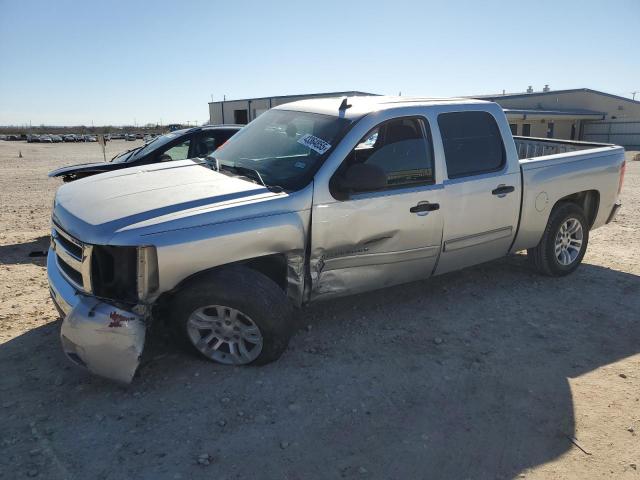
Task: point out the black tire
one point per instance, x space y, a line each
243 289
543 257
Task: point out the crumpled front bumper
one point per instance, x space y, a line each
105 339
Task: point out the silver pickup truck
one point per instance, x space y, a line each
312 200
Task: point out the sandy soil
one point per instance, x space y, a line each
484 373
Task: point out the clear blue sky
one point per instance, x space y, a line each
72 62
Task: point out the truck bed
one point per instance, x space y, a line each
554 169
529 147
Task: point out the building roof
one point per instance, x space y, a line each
576 112
553 92
351 93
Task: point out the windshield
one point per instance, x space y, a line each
148 147
284 147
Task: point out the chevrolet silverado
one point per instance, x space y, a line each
310 201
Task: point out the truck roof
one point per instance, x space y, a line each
361 106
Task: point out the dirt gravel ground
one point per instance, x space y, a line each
487 373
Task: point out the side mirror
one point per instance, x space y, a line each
362 177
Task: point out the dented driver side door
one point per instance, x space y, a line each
381 238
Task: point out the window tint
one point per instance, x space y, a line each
526 129
400 149
472 143
209 140
177 152
206 144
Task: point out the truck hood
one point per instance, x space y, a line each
118 207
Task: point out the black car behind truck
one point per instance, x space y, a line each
196 142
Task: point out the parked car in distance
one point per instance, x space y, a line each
117 136
56 138
305 206
45 139
129 137
190 143
69 138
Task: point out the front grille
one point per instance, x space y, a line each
71 246
73 258
69 271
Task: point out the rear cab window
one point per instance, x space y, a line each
472 143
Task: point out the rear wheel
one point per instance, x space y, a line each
234 316
564 241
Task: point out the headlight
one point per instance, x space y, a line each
126 274
147 279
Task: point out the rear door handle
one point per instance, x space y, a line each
502 190
425 207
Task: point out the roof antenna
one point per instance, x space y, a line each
344 105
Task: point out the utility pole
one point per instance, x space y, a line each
634 94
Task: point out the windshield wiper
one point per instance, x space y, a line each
249 173
139 149
125 152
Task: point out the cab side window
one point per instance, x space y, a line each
177 152
401 148
472 143
207 144
210 140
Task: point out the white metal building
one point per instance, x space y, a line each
243 111
578 114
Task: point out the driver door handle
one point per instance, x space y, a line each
502 190
425 207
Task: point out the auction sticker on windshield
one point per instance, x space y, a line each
314 143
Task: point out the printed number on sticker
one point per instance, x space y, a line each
314 143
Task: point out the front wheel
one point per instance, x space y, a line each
234 316
564 242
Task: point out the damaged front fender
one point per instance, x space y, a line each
105 339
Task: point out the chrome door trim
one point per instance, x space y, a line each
382 258
477 239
